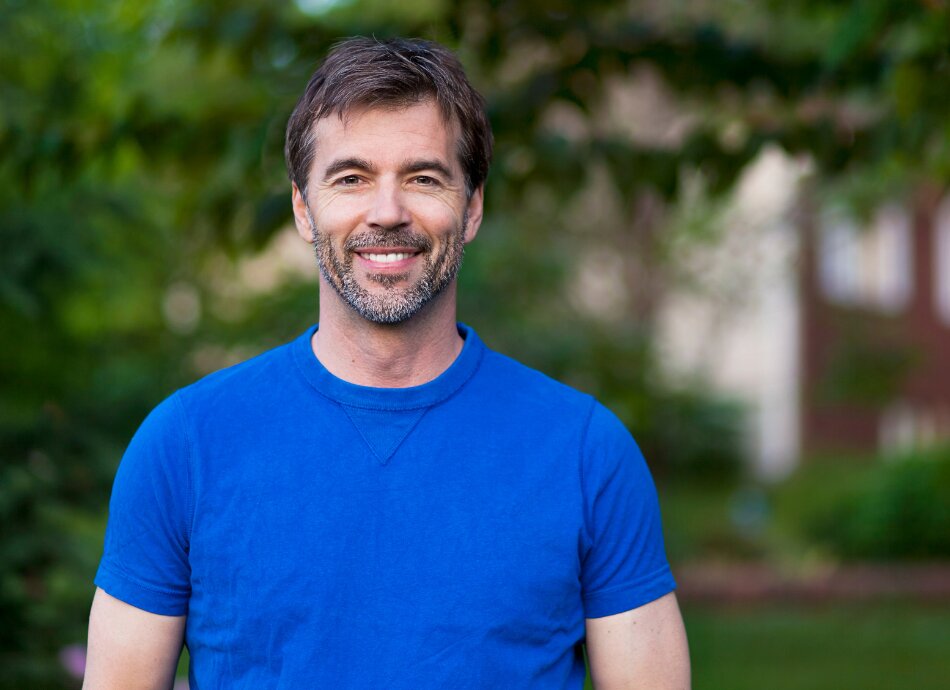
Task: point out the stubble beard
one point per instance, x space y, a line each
397 302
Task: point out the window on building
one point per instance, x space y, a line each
868 266
942 261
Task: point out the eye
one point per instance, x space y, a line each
426 181
348 180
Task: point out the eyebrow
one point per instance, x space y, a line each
342 164
416 166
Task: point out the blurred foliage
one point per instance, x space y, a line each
707 522
900 511
141 170
831 509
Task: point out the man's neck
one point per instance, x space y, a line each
387 355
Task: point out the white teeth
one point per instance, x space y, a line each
387 258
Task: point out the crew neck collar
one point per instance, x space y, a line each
369 397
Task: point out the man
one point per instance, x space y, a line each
384 502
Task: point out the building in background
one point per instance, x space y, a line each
875 341
833 330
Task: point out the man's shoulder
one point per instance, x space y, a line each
523 383
527 388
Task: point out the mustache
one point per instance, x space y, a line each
387 238
390 238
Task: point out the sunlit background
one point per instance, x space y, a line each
729 220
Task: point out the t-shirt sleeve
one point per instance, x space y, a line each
625 564
145 561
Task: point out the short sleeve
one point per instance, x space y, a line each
625 563
145 561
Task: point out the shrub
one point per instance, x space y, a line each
902 512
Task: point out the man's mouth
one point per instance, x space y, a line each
387 258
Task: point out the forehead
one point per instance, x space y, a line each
382 133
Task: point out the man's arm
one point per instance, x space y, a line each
130 648
642 648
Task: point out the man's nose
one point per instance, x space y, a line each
388 206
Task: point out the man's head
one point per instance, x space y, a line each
363 73
388 151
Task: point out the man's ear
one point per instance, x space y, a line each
301 214
475 208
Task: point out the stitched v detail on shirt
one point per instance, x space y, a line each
384 430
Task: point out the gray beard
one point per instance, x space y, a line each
395 304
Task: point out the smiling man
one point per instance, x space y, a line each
385 502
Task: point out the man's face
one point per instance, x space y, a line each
386 208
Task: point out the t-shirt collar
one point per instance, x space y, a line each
431 393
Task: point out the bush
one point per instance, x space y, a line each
901 512
694 435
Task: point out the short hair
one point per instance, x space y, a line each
368 73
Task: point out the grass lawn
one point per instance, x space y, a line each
838 647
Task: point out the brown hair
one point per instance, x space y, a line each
365 72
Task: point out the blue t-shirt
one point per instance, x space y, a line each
321 534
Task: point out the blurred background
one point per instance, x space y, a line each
728 220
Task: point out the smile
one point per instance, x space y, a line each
387 258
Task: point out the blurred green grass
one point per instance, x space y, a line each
887 646
869 646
